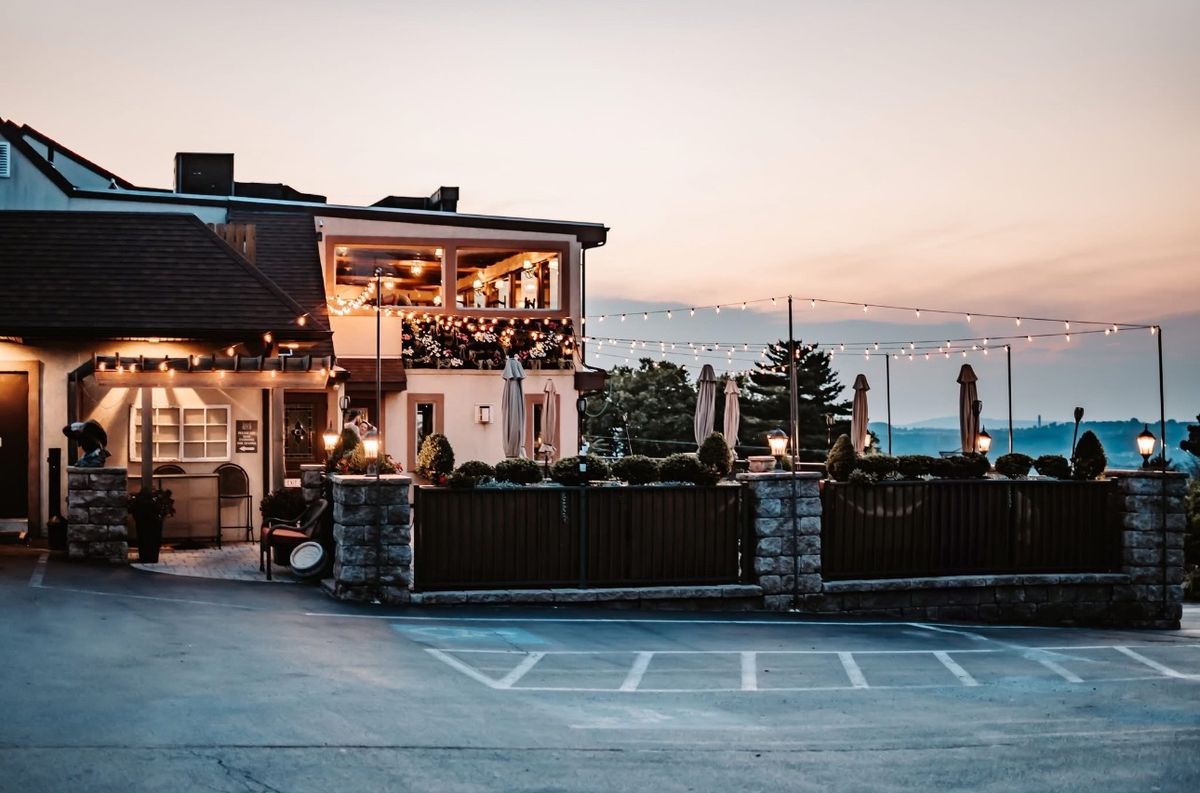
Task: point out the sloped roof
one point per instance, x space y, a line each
286 252
95 275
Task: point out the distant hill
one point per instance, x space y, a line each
951 422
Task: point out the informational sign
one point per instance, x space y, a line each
247 435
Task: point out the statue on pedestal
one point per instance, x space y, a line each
92 438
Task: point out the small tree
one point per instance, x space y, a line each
636 469
715 454
841 460
435 460
1090 460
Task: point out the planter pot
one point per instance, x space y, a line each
761 463
149 538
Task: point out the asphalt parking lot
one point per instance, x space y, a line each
124 680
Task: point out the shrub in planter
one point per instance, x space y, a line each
970 466
284 505
860 477
519 471
914 466
877 466
566 471
686 468
636 469
149 508
715 454
435 460
470 474
841 459
1053 465
1090 460
1014 466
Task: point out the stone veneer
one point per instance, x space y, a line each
373 553
312 481
1146 592
96 513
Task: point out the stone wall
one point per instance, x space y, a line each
312 481
373 551
96 513
1147 591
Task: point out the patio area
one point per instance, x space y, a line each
233 562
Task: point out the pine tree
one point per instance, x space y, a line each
765 399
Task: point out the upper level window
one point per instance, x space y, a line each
508 278
411 275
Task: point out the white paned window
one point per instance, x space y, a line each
183 434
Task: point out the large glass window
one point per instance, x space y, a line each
199 434
508 278
411 275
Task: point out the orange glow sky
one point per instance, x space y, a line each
1025 157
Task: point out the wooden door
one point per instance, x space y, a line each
14 446
303 423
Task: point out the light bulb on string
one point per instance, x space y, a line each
918 313
1018 322
968 318
1153 329
718 309
743 306
622 317
691 312
668 313
865 309
812 303
645 315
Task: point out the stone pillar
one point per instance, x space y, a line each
96 512
1151 545
783 546
373 551
312 476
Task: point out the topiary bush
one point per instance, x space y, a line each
435 460
877 466
715 454
1014 466
686 468
470 474
636 469
841 459
566 471
914 466
860 477
519 471
1054 466
960 466
1090 460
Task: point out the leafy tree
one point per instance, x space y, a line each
765 399
650 407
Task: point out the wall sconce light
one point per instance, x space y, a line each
777 439
483 414
1145 444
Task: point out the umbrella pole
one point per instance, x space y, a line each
1008 356
887 368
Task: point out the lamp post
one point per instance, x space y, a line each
777 439
371 448
1145 444
983 442
828 430
330 438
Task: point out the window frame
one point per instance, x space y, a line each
135 450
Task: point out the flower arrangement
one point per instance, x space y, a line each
429 341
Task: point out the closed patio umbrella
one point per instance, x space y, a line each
968 419
550 417
512 410
706 403
733 414
858 414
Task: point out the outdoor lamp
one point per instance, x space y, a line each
777 439
371 448
330 438
983 442
1145 444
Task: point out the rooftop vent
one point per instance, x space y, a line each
5 159
204 174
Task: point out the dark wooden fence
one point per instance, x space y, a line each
908 529
539 537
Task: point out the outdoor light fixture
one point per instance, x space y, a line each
371 447
330 439
777 439
1145 444
983 442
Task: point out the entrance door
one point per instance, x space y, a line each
14 446
425 417
303 424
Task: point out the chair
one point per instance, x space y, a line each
279 539
169 468
234 485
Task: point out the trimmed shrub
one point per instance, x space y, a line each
435 460
1014 466
960 466
715 454
841 459
1054 466
519 471
471 473
636 469
914 466
566 471
877 466
686 468
860 477
1090 460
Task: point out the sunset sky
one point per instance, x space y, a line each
1029 158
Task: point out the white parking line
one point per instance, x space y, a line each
749 671
1054 666
519 671
39 571
963 676
1155 665
637 671
852 671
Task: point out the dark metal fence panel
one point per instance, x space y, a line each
940 528
566 537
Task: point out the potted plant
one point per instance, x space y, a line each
149 508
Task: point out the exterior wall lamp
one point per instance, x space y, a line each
1145 444
777 439
371 448
983 442
330 438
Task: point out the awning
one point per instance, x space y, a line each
213 371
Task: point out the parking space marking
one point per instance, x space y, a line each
39 571
636 672
852 671
520 670
963 675
1055 667
1155 665
749 671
